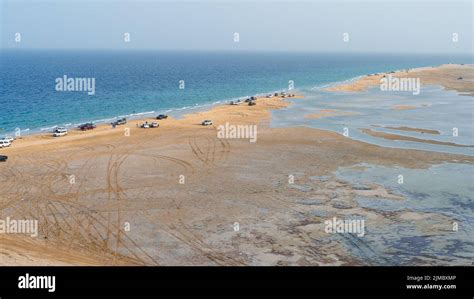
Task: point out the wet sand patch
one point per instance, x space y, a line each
408 138
419 130
404 107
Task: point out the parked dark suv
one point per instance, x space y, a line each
88 126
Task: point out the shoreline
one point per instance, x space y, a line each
355 84
263 107
135 178
179 112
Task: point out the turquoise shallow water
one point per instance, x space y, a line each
138 83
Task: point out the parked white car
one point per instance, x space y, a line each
144 125
238 102
207 122
8 138
58 132
5 143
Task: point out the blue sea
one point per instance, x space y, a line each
144 83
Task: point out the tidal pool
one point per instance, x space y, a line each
439 197
447 112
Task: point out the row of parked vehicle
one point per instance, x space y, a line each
250 101
147 125
62 131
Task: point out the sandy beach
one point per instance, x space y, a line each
446 75
174 195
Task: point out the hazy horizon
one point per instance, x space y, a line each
266 26
249 51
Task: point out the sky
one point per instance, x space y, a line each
306 26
